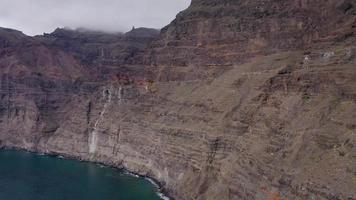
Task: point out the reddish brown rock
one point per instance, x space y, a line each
233 100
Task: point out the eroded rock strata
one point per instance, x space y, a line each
232 100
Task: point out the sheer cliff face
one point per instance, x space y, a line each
233 100
229 31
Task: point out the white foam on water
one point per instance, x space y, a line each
158 190
162 196
132 174
152 182
159 193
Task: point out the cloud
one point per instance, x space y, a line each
39 16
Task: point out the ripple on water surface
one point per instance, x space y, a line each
28 176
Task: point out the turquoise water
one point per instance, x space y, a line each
27 176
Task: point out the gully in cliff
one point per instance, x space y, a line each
93 137
107 98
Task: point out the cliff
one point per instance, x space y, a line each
232 100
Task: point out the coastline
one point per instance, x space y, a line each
159 189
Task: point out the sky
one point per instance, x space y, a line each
35 17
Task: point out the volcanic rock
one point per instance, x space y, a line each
232 100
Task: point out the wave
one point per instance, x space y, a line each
162 196
152 182
132 174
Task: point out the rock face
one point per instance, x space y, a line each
233 100
98 49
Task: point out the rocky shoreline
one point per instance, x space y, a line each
158 186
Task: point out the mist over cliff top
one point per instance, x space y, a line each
35 17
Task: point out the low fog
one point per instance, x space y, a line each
34 17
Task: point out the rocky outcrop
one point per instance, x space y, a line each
100 49
233 100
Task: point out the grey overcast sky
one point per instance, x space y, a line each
35 17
